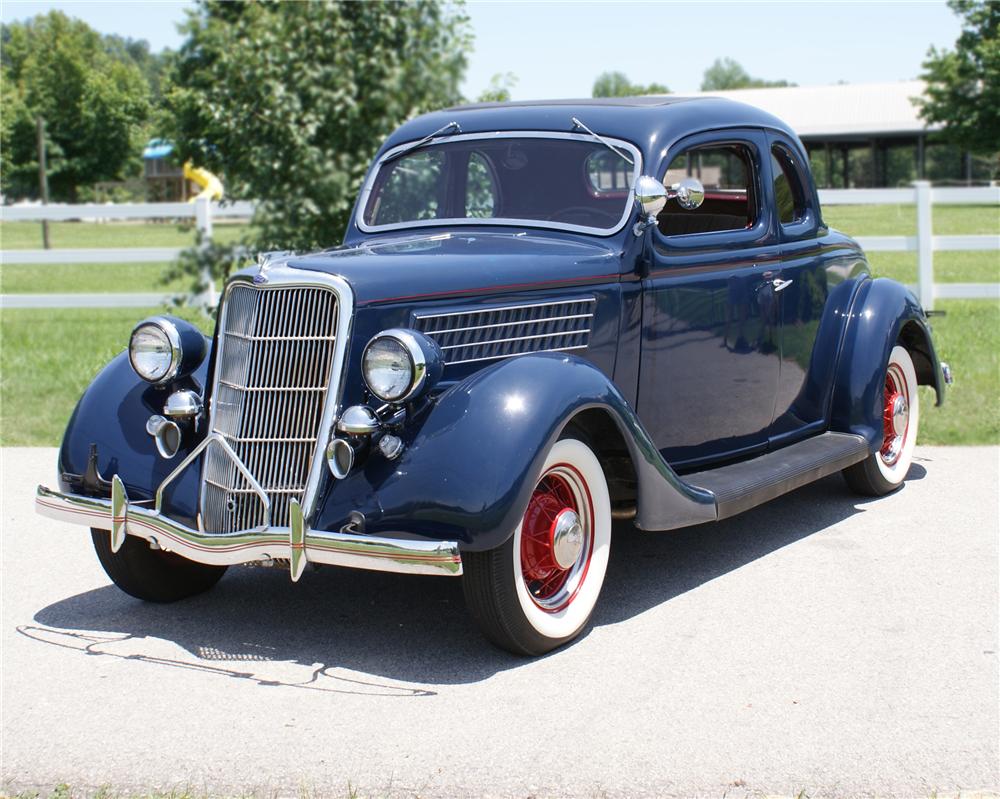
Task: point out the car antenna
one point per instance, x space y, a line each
424 140
577 123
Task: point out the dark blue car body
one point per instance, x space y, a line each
663 385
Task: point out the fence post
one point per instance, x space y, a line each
203 220
925 251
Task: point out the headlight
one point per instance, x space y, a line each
398 364
163 348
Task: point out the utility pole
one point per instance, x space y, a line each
43 179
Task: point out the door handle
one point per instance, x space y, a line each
780 285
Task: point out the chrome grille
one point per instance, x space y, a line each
274 360
485 334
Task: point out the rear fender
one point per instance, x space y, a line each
884 313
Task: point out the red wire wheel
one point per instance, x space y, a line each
895 415
557 541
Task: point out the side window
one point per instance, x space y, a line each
410 190
789 197
726 172
480 189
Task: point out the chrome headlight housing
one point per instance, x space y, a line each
399 364
163 348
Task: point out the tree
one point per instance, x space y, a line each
499 89
93 105
617 84
725 73
153 66
963 85
289 101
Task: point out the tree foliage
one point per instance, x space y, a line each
963 85
617 84
289 101
499 89
93 105
725 73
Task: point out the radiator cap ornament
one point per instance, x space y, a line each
263 264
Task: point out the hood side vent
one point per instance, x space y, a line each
502 331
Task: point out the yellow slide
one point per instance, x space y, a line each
211 186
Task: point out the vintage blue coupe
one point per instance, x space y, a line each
543 317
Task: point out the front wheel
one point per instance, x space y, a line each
537 591
884 471
153 575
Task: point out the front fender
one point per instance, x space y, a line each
884 312
477 454
112 415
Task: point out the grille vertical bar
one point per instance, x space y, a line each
275 358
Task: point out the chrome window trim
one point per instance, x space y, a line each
285 277
497 221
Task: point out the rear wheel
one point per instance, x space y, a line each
538 589
885 470
153 575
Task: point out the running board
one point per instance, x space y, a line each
741 486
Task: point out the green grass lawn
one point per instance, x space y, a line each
137 278
48 357
28 235
86 279
901 220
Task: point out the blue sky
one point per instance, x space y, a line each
556 49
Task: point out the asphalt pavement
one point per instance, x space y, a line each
818 643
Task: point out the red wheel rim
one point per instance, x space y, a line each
551 586
894 393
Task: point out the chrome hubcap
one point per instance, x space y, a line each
900 415
567 538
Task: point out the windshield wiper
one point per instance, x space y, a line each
418 144
603 141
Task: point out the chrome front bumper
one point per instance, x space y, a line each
297 544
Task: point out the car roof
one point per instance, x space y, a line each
650 123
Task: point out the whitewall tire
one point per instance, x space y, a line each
538 590
885 470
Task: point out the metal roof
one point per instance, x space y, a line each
651 124
842 110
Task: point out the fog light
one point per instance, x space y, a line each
166 434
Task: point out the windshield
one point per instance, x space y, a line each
571 183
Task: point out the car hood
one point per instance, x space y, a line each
456 264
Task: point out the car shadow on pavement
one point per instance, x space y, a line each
357 631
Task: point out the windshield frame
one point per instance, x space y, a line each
627 210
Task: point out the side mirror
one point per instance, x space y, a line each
689 193
651 196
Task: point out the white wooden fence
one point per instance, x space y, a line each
202 211
925 243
